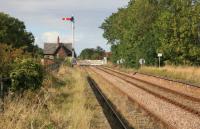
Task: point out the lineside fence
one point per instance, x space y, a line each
52 67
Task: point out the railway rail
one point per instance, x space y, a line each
171 80
197 85
141 106
183 101
120 124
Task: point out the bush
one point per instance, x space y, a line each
27 74
68 61
7 55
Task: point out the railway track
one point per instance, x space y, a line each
117 122
196 85
156 85
141 106
183 101
184 87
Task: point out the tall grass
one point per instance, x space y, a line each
189 74
185 73
60 104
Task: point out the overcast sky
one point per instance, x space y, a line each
44 19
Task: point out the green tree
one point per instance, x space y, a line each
13 32
92 54
179 31
146 27
7 57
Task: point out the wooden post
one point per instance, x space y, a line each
2 95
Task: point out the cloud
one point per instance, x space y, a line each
44 19
52 36
52 5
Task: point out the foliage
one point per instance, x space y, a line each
16 42
7 57
13 32
37 52
146 27
68 61
27 74
93 54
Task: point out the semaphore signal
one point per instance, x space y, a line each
73 30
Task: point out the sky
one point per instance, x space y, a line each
44 19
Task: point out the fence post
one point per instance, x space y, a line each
2 95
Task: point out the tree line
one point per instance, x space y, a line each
97 53
147 27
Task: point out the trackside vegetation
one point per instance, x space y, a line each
147 27
19 57
13 32
65 101
27 74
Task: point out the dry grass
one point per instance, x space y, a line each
189 74
186 73
60 104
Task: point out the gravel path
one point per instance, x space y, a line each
171 114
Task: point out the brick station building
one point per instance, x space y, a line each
56 51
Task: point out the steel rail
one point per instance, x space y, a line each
196 85
156 85
115 114
178 104
141 106
172 80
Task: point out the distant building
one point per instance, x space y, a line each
56 51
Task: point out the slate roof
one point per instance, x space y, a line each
50 48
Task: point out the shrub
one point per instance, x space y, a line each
7 55
68 61
27 74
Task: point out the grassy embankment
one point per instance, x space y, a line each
64 102
185 73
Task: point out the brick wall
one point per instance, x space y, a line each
62 53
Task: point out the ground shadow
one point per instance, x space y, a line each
114 123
